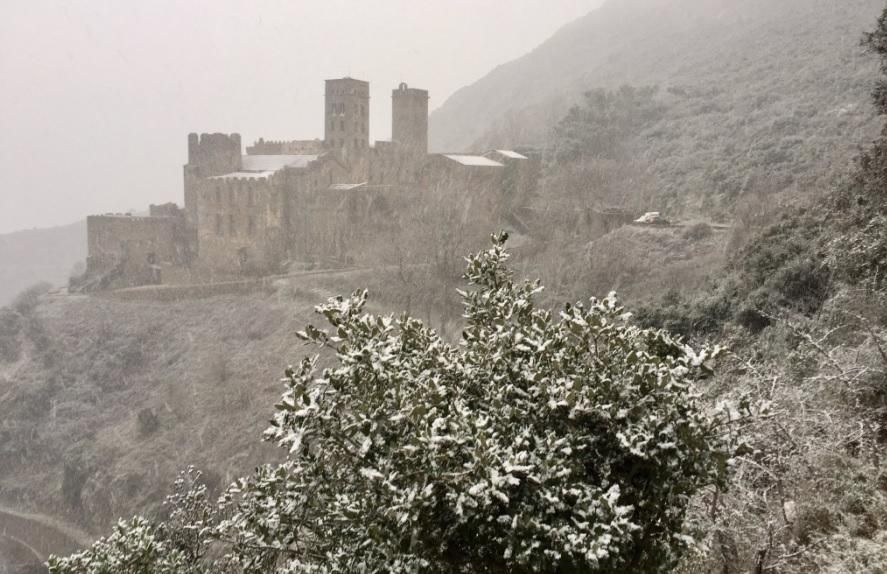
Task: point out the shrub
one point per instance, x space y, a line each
26 301
148 421
698 231
539 444
10 327
74 477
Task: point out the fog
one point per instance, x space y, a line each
99 96
617 305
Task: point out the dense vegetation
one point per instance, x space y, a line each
536 445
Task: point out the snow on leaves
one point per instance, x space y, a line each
539 442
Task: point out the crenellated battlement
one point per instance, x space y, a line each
282 147
214 154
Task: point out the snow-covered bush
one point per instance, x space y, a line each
540 443
177 545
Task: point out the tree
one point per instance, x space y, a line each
603 126
859 253
541 442
598 161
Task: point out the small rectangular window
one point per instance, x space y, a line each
218 224
251 229
231 226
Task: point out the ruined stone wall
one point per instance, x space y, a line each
165 210
134 249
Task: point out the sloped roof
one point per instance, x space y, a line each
511 154
346 186
262 166
473 160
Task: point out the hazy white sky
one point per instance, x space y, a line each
99 95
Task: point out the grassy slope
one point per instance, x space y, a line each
641 262
207 368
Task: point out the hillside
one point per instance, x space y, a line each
105 399
39 255
754 90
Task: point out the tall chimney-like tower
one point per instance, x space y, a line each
409 118
347 114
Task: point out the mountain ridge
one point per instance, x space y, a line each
656 42
39 255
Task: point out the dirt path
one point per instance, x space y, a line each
39 535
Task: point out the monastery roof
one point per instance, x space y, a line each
346 186
511 154
262 166
473 160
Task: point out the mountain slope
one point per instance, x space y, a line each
749 49
37 255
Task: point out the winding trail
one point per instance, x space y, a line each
39 535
